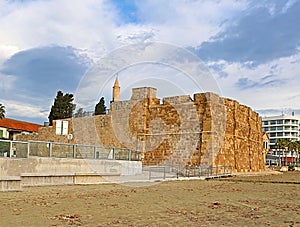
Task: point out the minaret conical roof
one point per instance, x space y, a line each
116 82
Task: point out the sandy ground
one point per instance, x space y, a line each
237 201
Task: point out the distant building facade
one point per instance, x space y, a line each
279 127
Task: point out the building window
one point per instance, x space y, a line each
273 122
280 122
294 134
11 135
287 134
265 123
272 140
1 134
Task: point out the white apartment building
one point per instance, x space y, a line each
283 126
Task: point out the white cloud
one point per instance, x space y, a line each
19 109
7 51
82 24
131 34
283 93
187 23
93 27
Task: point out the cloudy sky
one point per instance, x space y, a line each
251 48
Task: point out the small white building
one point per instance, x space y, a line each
10 128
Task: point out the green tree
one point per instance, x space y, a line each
297 151
62 108
294 147
282 145
100 108
2 111
79 113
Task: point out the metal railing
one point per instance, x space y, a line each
156 172
170 168
13 149
171 171
206 171
88 113
18 149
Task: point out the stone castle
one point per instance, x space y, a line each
206 130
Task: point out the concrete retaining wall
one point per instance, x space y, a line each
10 183
39 171
41 165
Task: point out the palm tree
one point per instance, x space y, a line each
297 150
293 145
2 111
282 144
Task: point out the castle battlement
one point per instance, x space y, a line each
143 92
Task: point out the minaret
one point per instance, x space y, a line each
116 90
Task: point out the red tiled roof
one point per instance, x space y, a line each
19 125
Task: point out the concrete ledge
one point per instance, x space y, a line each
10 183
47 179
7 178
40 179
46 174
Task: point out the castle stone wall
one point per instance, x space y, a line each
205 130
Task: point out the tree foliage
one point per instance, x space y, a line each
62 108
81 113
282 143
100 107
288 145
2 111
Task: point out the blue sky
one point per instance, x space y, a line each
252 48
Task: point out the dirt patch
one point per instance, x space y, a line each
235 201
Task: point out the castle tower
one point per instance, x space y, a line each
116 91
